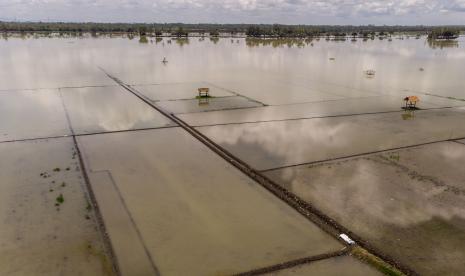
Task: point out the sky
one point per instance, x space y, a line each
331 12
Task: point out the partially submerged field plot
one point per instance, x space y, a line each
337 266
268 145
178 91
409 204
207 104
103 109
271 92
47 225
31 114
184 97
344 107
172 206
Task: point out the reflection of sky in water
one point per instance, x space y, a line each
31 114
393 199
274 144
56 62
109 109
402 202
47 63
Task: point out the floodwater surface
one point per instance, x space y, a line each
172 206
58 62
178 91
32 114
103 109
49 63
269 145
373 104
336 266
409 204
47 225
196 213
207 104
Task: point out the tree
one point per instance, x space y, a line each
254 31
180 32
444 33
142 30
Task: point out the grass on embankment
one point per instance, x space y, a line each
376 262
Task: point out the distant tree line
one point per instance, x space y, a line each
444 33
251 30
343 31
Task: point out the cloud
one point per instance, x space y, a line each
235 11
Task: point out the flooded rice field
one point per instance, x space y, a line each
112 164
330 267
409 203
47 223
270 145
185 198
104 109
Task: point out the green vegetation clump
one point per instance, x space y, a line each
180 32
376 262
214 33
142 30
444 33
88 207
60 199
394 156
44 175
57 169
143 39
179 29
277 42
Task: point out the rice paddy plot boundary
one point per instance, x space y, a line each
237 94
312 117
326 223
294 263
459 141
190 99
54 88
84 134
363 154
108 247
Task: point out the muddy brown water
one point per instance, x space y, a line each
408 203
32 114
343 107
103 109
336 266
268 145
58 62
129 170
191 207
37 237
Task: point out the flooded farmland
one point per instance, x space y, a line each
112 164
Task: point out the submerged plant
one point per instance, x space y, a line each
60 199
395 157
88 207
